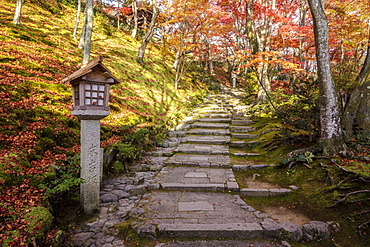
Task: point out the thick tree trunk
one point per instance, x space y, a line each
89 30
357 112
365 71
148 36
77 22
17 13
331 133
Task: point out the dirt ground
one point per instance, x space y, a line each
280 214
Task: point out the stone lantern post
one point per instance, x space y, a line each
90 90
234 77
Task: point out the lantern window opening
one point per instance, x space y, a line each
76 95
94 94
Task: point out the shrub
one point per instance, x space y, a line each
39 221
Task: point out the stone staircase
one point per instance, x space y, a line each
190 200
187 189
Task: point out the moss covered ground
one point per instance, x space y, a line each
316 180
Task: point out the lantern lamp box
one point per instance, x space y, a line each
90 86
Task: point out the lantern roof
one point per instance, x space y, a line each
94 65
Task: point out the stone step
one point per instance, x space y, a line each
243 144
238 230
243 154
242 118
197 179
183 214
219 132
216 115
214 120
199 160
202 149
244 136
250 167
221 243
210 139
216 107
264 192
241 122
204 111
242 129
209 125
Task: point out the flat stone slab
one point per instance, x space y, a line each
241 122
202 214
242 129
199 160
196 175
205 111
250 167
242 118
243 144
220 243
245 154
213 120
195 206
220 132
212 140
210 125
264 192
216 115
244 136
230 230
195 187
203 149
188 176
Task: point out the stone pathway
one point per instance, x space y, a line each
187 189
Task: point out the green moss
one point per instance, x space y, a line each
128 233
39 221
10 238
361 168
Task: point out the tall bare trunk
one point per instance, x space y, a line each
89 30
17 13
179 66
81 43
148 35
118 14
77 22
134 9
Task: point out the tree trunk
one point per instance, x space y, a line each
331 133
118 14
77 22
259 40
365 71
148 36
81 43
357 113
89 30
134 9
179 66
17 14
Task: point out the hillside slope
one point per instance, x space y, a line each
39 138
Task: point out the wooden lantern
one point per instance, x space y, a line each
91 85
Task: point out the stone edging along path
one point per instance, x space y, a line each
186 189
